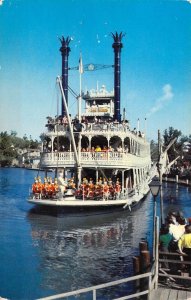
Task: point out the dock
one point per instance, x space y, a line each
169 294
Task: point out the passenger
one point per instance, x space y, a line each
91 184
62 183
165 240
50 189
100 181
98 148
106 189
117 188
83 188
65 121
56 185
105 150
35 186
45 188
111 189
184 245
40 186
110 181
71 183
90 189
126 149
119 149
172 216
97 189
85 180
177 230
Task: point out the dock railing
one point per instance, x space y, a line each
177 180
173 267
152 281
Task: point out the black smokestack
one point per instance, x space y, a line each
65 49
117 45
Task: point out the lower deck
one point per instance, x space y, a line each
124 201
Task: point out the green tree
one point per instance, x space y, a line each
7 150
10 144
154 150
176 149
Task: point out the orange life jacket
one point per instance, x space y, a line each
35 188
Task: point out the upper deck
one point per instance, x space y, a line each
96 128
100 159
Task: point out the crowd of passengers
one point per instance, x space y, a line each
86 124
88 149
105 149
175 235
102 188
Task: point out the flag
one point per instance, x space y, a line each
81 70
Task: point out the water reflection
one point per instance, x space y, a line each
80 251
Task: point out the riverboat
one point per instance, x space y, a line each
98 160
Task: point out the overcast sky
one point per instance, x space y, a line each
156 59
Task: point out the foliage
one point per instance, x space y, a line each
154 150
176 149
10 144
7 152
169 134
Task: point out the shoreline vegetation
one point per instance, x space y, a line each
14 149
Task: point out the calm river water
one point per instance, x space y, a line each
46 254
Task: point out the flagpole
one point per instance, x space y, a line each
80 99
80 96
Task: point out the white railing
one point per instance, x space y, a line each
92 158
95 288
177 180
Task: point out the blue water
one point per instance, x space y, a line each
46 254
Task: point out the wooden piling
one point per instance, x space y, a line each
145 264
143 246
136 265
136 271
145 261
